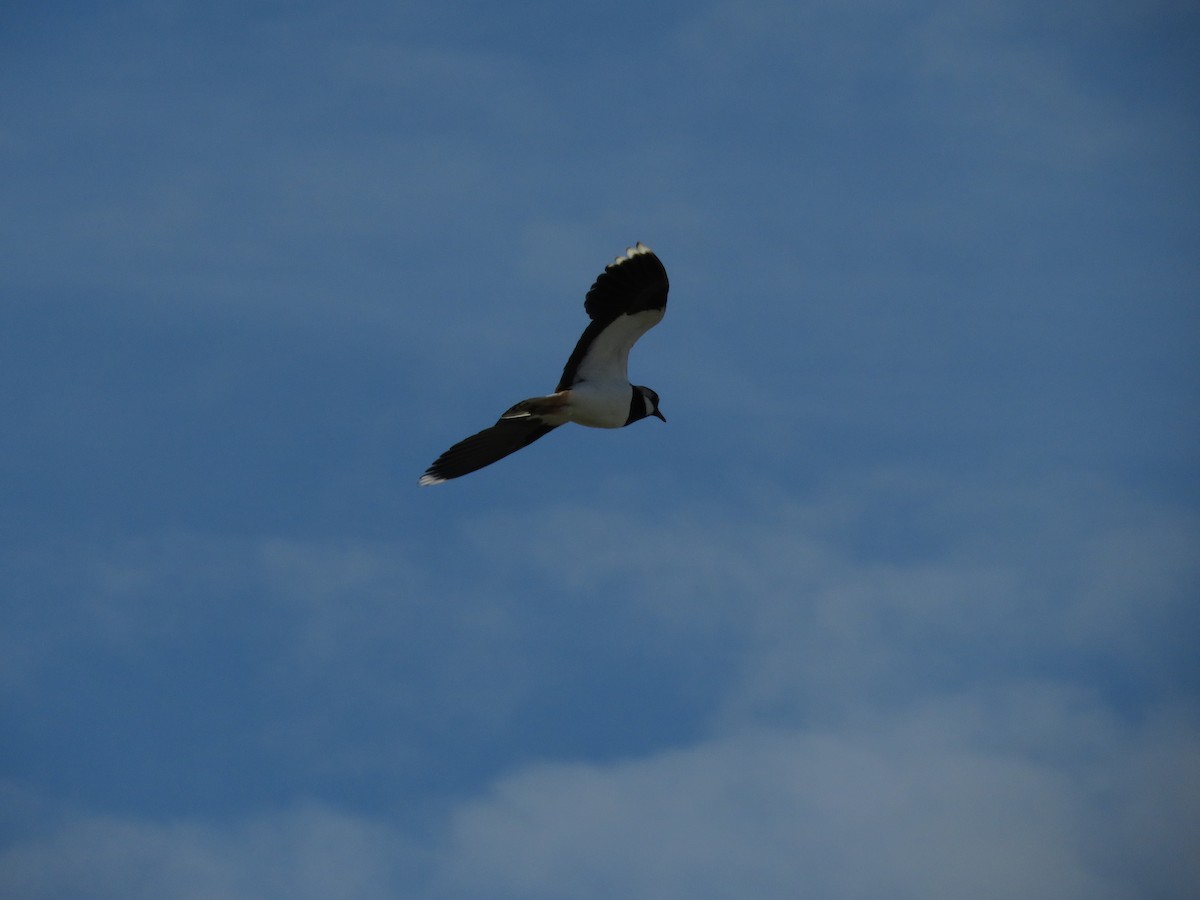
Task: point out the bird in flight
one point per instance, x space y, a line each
627 300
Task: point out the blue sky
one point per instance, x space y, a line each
902 602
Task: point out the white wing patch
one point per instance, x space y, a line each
607 358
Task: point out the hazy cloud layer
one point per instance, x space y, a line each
860 727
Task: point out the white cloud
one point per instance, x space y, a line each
830 604
1039 793
896 709
308 852
918 808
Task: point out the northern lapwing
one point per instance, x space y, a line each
627 300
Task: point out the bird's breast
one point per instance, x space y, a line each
600 404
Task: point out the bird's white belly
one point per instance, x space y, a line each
600 404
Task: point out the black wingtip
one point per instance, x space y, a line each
507 436
631 283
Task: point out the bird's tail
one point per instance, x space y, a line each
549 407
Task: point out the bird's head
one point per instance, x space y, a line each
650 399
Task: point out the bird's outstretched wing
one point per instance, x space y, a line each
627 300
482 449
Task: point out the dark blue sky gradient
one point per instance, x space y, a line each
901 602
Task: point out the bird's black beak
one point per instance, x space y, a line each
659 415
